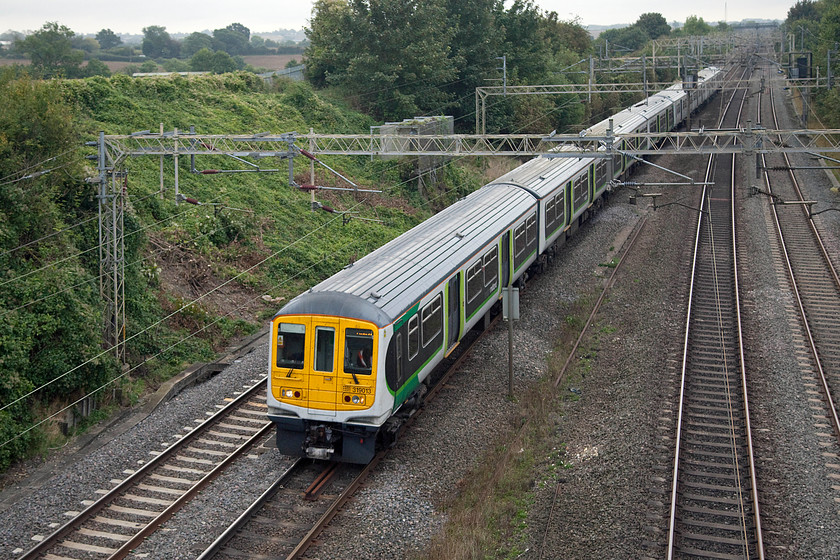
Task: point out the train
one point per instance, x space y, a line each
350 358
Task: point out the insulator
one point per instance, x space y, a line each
191 201
209 171
307 154
327 209
308 187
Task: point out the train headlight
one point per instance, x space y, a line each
291 394
356 399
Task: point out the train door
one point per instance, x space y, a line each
453 310
323 386
506 258
569 212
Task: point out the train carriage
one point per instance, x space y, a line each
347 354
351 355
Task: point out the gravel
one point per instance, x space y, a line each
603 492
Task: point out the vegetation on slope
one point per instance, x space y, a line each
195 275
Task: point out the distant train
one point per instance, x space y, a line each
351 355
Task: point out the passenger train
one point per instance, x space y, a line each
350 356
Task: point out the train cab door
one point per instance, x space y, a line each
323 379
453 311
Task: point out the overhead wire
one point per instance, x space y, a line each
171 346
34 165
189 304
95 278
169 316
90 249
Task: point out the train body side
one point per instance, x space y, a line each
413 299
349 356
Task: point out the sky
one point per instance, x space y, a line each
90 16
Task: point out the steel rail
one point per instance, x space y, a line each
795 288
217 545
72 525
306 541
684 370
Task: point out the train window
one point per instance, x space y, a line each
519 241
491 267
324 348
560 209
358 351
531 226
600 173
474 281
291 341
432 320
579 190
550 215
399 348
413 337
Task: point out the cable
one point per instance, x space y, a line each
163 319
42 162
79 254
68 228
36 174
150 358
93 278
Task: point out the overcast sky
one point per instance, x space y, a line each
89 16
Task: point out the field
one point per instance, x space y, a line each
268 61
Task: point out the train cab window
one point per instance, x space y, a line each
324 348
413 337
432 320
491 266
291 341
358 351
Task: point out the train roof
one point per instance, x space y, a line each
542 175
387 282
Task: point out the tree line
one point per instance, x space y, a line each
56 50
814 26
398 58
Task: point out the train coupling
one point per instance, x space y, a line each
321 442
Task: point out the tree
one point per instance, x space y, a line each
804 9
473 50
392 56
52 335
51 51
158 44
229 41
194 42
241 29
217 62
96 67
653 25
86 44
696 26
108 39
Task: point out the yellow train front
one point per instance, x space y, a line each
323 394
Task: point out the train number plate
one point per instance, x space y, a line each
357 390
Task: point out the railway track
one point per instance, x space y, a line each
814 282
120 520
714 511
264 531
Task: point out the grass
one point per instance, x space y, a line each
488 518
